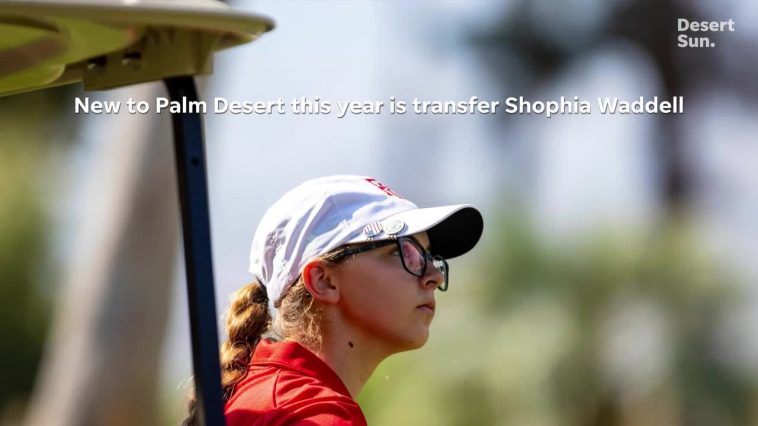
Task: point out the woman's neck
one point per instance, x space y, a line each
353 358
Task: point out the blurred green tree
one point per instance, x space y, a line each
617 328
27 123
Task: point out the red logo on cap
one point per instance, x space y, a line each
383 187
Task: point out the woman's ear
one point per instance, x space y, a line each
318 280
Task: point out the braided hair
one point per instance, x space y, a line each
248 320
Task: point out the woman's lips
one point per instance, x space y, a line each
427 307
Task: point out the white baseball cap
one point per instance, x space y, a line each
322 214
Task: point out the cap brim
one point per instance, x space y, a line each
453 230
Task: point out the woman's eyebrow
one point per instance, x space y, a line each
427 246
390 247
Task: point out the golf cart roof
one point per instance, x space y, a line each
112 43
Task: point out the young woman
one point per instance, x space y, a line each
345 275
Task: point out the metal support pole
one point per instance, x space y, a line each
193 195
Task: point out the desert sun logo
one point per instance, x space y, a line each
690 40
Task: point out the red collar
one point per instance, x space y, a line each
294 356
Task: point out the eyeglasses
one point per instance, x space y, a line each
412 254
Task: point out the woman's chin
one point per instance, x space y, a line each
416 341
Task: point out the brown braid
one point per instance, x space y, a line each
248 319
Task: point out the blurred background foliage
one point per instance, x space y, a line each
615 328
29 124
604 327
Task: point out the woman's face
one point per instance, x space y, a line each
383 301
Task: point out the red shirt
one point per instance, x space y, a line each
287 384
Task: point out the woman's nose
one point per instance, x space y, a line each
432 277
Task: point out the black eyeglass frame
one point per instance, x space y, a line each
348 251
